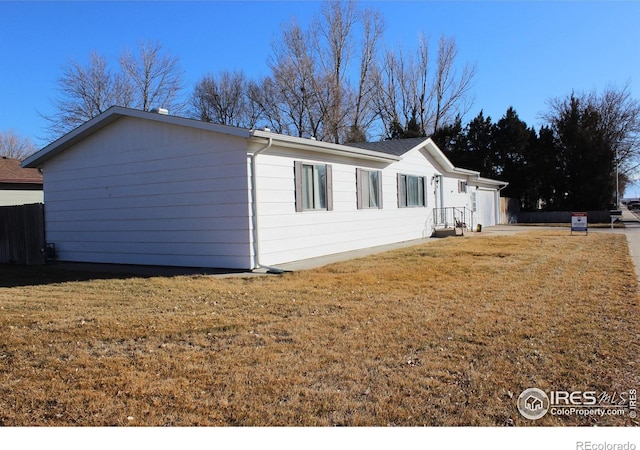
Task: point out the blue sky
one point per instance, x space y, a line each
526 52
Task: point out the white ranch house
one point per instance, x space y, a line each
134 187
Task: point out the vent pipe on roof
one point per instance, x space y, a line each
158 110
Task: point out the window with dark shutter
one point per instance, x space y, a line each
313 184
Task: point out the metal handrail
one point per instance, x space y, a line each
452 217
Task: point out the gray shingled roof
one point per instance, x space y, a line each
397 147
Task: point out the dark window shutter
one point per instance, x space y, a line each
359 188
297 174
379 189
329 188
425 191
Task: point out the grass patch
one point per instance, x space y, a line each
443 334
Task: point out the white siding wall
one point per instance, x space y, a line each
19 197
287 235
453 198
486 207
142 192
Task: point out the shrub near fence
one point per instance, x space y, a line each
561 217
22 234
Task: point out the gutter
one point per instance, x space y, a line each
254 211
325 147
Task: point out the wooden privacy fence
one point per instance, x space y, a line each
509 209
22 234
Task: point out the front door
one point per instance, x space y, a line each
438 192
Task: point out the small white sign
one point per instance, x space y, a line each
579 222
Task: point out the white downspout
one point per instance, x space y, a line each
441 190
254 211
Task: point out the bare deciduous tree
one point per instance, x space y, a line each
294 74
394 94
409 91
620 117
263 97
363 112
224 99
85 92
328 82
451 88
148 79
311 73
14 146
154 76
333 43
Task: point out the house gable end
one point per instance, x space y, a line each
150 192
112 115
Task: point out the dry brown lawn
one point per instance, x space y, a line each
446 333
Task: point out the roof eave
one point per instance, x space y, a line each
466 172
438 155
58 146
442 159
20 181
324 147
491 181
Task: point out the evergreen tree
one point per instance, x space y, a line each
396 131
452 140
512 143
548 171
569 165
355 134
588 158
480 147
413 128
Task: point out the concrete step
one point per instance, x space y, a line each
444 232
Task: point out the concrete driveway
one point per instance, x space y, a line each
632 232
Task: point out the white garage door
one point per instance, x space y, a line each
486 214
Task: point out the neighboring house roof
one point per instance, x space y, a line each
12 173
384 151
